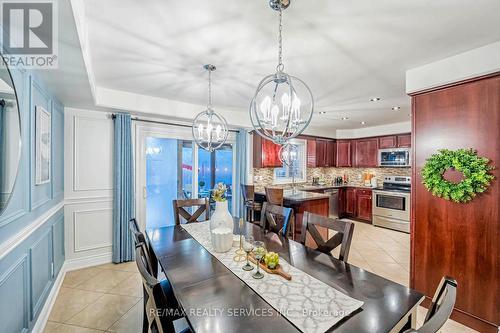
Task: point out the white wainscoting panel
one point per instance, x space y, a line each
88 184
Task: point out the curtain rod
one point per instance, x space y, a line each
113 116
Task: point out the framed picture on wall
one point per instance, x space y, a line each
43 134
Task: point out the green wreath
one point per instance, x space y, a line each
474 169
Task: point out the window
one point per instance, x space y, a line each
284 175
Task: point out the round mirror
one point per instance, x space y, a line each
10 136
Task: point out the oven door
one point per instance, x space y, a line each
395 205
394 157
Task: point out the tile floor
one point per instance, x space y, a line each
108 298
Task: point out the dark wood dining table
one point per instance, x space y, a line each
216 300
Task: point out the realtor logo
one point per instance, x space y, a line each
29 33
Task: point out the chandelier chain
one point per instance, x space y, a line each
280 66
209 89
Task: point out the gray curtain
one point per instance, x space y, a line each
242 138
123 209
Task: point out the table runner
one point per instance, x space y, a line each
311 305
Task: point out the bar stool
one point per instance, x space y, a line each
248 192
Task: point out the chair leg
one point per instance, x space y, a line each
145 321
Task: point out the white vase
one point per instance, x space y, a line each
221 228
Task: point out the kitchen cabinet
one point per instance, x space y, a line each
350 201
265 153
385 142
343 153
320 153
404 141
364 204
365 152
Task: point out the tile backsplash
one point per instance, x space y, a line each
264 176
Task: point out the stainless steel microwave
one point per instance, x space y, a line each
394 157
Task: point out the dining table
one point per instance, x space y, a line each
214 299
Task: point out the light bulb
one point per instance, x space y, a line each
296 107
209 130
265 107
274 115
200 131
218 131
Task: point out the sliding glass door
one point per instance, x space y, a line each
170 166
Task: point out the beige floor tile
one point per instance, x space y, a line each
74 278
65 328
371 255
131 322
131 286
130 266
71 301
50 327
401 257
105 280
104 312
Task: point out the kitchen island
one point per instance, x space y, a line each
300 202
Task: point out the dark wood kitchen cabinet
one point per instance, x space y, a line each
404 141
365 152
265 153
320 153
364 204
343 153
385 142
350 201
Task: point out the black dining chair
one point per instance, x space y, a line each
441 307
343 237
203 206
163 313
140 237
276 219
251 206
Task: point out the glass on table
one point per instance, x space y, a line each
248 248
259 252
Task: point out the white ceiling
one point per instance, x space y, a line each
347 51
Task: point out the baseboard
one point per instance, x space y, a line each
69 265
95 260
43 317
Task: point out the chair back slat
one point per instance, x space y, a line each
342 238
139 238
276 219
248 192
441 308
180 210
274 196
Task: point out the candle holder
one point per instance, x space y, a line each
240 254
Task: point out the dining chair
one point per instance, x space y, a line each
180 210
441 307
139 237
343 236
251 207
163 314
276 219
274 195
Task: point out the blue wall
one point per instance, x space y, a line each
28 272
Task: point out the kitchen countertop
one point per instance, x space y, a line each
299 195
327 187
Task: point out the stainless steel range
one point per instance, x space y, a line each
391 204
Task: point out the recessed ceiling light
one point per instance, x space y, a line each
344 118
322 112
396 108
374 99
363 122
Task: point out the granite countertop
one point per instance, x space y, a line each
299 195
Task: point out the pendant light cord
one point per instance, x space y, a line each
280 66
209 89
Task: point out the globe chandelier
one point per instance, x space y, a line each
283 104
209 128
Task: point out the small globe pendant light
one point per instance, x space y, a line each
283 105
209 128
288 154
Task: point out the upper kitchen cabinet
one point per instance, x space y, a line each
395 141
343 153
365 152
385 142
404 141
320 153
265 153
